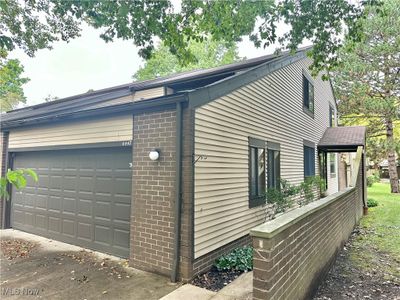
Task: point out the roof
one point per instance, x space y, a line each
190 81
342 138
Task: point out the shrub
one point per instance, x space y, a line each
372 202
240 259
371 179
283 197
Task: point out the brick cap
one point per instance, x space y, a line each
271 228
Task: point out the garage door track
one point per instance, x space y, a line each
36 266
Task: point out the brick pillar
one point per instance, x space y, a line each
153 192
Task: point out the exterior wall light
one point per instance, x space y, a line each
154 154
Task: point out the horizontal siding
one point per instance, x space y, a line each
269 109
149 93
110 129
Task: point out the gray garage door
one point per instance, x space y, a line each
83 197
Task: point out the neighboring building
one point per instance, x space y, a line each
223 136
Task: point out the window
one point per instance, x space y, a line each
256 172
309 161
332 164
331 117
273 165
308 95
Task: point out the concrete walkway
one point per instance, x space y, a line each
56 270
240 289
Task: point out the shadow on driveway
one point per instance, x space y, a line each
34 266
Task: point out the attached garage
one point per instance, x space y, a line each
83 197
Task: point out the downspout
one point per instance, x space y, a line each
178 199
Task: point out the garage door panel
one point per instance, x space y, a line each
82 197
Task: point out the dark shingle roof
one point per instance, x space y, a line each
343 137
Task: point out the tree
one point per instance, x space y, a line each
11 92
208 54
368 80
36 24
50 98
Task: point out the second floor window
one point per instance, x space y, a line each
331 116
308 94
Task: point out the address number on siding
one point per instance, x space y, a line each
127 143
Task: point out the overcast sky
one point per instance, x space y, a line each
87 63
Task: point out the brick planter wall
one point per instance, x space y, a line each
294 252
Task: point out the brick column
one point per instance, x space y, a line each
153 192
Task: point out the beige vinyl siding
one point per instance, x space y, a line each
270 109
149 93
110 129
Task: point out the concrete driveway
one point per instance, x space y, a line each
36 266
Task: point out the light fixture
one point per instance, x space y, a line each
154 154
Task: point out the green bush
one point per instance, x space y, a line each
283 197
371 179
240 259
372 202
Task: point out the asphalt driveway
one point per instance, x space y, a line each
35 267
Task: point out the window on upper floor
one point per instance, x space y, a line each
332 165
309 160
331 116
256 172
308 95
273 165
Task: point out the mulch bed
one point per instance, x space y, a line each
16 248
215 280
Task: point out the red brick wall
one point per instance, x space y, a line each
153 192
290 264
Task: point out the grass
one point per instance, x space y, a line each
380 236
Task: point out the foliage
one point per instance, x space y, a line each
50 98
11 82
367 82
371 202
36 24
207 54
383 223
282 198
308 189
240 259
371 179
17 178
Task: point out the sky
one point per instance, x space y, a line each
87 63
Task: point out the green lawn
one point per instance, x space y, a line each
380 236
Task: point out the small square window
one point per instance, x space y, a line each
308 94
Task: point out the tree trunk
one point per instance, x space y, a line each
391 155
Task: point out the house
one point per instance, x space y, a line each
171 172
